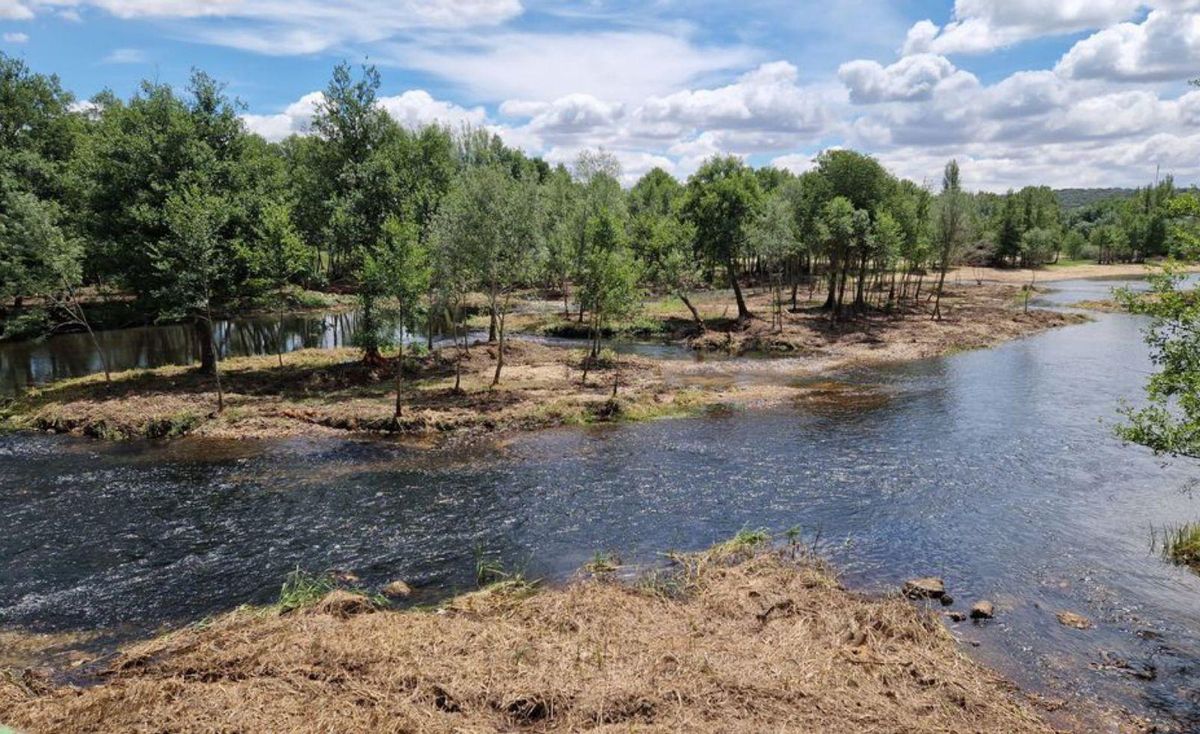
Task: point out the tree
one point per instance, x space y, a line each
399 267
1037 246
1170 423
609 278
772 237
721 200
282 257
490 222
194 265
667 250
951 230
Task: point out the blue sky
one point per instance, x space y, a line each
1076 92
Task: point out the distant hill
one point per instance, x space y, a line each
1076 198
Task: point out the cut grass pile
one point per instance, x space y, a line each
741 638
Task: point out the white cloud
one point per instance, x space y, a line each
617 66
15 38
126 56
911 78
414 108
767 99
14 10
1165 46
983 25
288 26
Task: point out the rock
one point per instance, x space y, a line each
925 588
947 600
397 590
956 616
983 610
1071 619
345 577
344 604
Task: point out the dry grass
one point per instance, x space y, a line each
330 391
974 317
733 641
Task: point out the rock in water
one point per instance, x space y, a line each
956 616
983 610
926 588
397 590
1071 619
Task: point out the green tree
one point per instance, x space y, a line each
609 277
195 266
282 257
720 202
491 222
951 229
667 249
772 236
1170 423
399 268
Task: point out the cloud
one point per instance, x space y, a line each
14 10
126 56
910 79
767 99
984 25
15 38
284 27
623 66
414 108
1165 46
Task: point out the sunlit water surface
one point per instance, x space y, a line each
995 469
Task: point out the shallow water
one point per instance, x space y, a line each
995 469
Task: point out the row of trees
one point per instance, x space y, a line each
168 198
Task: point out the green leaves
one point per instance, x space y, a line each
1170 423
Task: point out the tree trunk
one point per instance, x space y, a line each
399 375
743 312
499 350
204 341
695 314
279 335
216 370
937 303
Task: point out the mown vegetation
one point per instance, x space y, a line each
744 637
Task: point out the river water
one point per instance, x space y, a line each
995 469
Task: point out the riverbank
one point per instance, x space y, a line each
740 638
1055 273
330 391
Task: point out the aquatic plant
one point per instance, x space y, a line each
1179 544
301 589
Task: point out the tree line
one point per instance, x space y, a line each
168 198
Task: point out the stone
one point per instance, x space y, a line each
1071 619
956 616
929 587
983 610
397 590
947 600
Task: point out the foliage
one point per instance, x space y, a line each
1170 423
721 201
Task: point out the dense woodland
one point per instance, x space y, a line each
168 200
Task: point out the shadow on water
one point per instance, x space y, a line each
995 469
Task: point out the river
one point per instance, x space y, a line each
996 469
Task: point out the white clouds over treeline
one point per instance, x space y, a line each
1106 109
